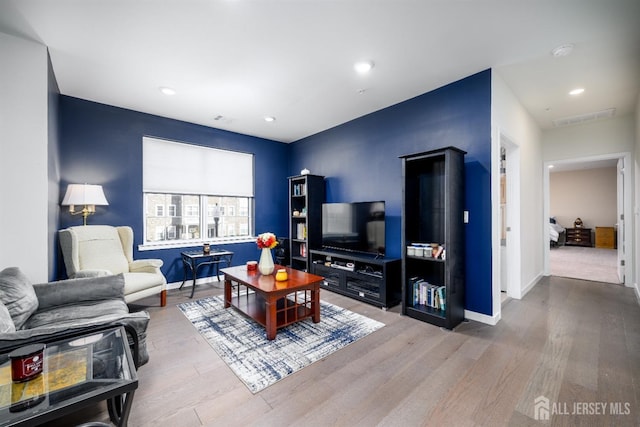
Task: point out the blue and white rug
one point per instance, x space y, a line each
258 362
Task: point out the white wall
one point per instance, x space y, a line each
23 157
608 136
588 194
636 209
510 119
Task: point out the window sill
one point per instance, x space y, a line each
194 243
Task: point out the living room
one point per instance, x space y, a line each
115 148
67 149
71 140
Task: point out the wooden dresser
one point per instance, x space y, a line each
578 237
605 237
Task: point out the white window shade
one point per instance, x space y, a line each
173 167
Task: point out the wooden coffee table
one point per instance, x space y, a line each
273 304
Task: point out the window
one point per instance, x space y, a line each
159 233
181 208
243 230
191 210
243 209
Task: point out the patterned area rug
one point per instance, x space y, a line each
258 362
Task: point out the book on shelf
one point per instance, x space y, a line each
301 231
299 189
443 301
427 294
303 249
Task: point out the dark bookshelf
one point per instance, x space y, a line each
306 195
432 218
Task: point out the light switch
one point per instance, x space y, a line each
466 217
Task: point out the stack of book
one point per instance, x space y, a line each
301 231
427 294
300 189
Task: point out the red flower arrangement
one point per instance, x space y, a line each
267 241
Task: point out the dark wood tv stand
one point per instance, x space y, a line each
371 279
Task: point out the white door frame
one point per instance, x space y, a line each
621 219
514 290
626 197
513 221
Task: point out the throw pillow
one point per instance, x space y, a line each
6 323
16 292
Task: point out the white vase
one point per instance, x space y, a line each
265 265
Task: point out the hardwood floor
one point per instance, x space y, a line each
574 342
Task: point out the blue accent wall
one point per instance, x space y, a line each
101 144
360 161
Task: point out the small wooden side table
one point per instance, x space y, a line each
605 237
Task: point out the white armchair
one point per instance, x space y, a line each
99 250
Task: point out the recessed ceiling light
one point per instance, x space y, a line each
269 119
550 166
167 91
562 50
363 66
577 91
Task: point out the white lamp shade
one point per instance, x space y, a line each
84 194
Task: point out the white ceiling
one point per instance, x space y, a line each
293 59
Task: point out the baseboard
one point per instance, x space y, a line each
482 318
493 320
174 285
189 282
531 285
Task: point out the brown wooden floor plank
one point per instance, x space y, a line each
417 398
546 378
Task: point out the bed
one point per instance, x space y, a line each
557 235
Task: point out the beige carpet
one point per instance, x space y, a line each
595 264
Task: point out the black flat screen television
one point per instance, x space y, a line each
355 227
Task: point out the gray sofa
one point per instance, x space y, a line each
29 313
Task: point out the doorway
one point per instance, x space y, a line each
615 260
509 219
